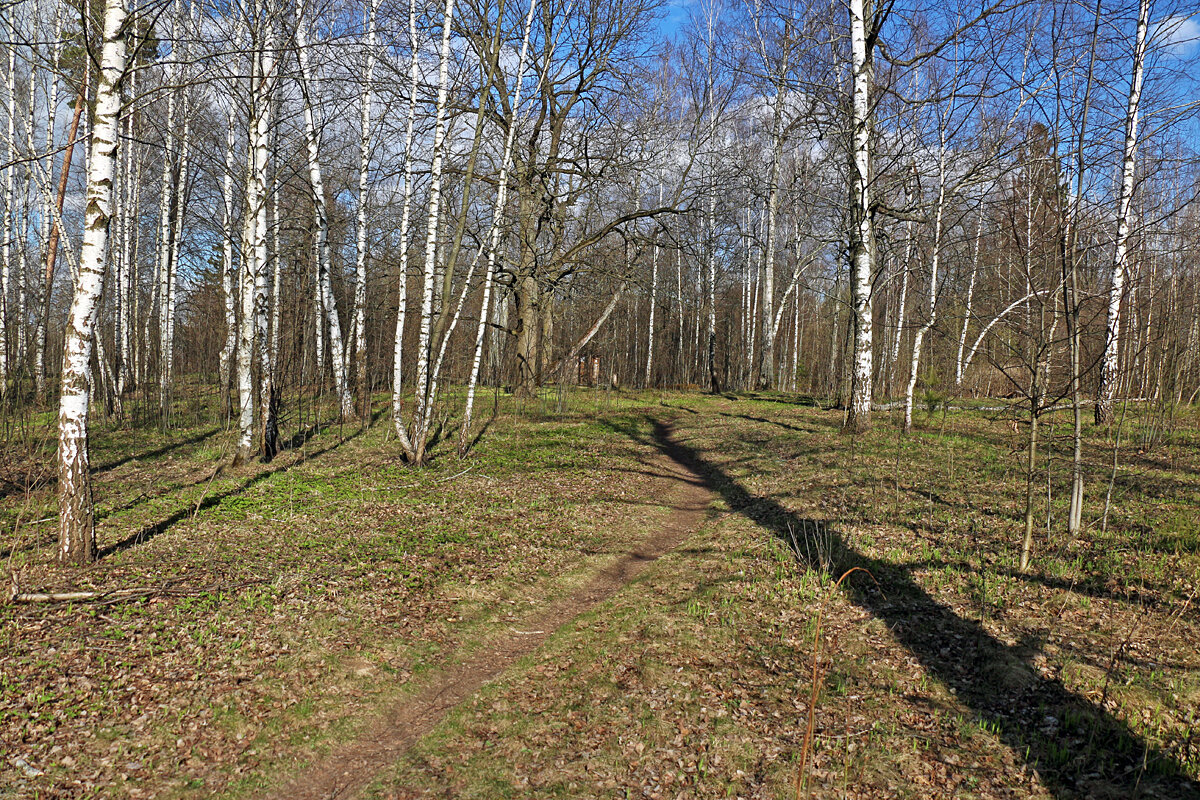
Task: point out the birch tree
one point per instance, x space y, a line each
10 219
76 523
228 272
491 275
360 266
1120 266
398 423
337 351
252 327
647 382
861 228
934 264
423 404
777 69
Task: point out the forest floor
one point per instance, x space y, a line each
616 595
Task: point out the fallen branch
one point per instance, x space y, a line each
73 597
116 595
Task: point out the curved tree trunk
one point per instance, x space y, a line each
494 236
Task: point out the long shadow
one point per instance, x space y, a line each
149 532
160 451
1089 585
802 400
774 422
1078 749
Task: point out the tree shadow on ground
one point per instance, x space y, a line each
1077 748
159 451
1089 585
774 422
148 532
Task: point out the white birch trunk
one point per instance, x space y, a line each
251 335
766 376
796 343
424 399
901 301
653 301
745 298
180 210
962 336
319 322
10 218
127 283
265 309
76 525
979 339
714 383
931 319
49 210
756 281
405 221
23 276
360 267
490 275
1112 340
862 236
228 274
337 352
682 329
276 258
166 229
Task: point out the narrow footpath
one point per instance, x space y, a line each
352 766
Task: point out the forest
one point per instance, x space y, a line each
660 398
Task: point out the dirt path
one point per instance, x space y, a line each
350 767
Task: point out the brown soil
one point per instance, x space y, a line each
350 767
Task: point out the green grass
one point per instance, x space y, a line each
338 560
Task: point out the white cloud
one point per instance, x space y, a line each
1177 35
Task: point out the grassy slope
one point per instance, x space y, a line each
961 678
319 585
299 594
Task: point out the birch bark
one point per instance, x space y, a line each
360 267
167 207
653 301
127 261
10 218
424 400
398 423
51 209
766 372
252 333
228 273
265 309
337 352
862 235
494 235
931 319
962 336
1112 340
76 525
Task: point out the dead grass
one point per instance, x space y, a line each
300 593
959 677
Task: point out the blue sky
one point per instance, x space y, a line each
677 15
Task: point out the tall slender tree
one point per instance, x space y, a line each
76 523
